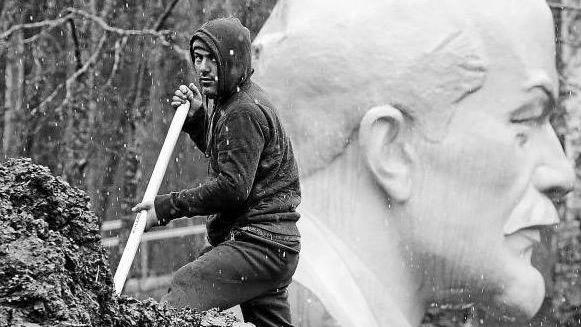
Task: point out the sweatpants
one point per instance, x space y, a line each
249 269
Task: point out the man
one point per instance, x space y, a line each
252 195
427 160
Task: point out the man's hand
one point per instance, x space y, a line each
151 215
185 93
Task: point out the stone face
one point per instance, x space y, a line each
52 266
455 221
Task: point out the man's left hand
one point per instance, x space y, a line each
151 215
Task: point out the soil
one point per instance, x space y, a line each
53 270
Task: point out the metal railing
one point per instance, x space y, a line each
151 235
145 282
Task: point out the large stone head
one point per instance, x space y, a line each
429 121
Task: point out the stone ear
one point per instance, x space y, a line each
384 138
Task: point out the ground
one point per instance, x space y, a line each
53 269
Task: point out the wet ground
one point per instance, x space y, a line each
53 270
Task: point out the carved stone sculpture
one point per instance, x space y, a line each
427 157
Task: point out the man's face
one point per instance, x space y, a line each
483 192
206 68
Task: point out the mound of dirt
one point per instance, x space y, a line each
53 270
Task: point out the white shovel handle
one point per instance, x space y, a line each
150 193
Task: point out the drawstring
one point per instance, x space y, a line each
209 128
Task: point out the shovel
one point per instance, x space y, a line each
150 193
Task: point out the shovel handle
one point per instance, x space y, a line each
150 193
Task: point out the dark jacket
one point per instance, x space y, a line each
255 178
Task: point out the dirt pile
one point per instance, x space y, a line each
53 270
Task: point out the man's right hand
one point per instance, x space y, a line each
151 218
185 93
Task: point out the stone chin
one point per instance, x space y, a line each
511 291
521 298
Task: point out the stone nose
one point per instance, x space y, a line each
554 175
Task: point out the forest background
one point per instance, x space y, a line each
85 88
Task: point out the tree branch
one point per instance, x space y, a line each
107 6
159 23
557 5
71 12
143 32
50 23
76 44
35 36
40 109
570 43
157 35
118 48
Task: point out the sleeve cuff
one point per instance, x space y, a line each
191 124
165 209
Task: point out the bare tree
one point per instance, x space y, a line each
14 123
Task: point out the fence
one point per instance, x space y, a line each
142 280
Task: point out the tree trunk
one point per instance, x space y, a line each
13 136
95 158
75 136
82 113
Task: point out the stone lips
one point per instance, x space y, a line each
53 269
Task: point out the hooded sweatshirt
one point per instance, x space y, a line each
255 180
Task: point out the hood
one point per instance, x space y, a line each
229 40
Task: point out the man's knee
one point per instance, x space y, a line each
186 276
175 297
269 309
